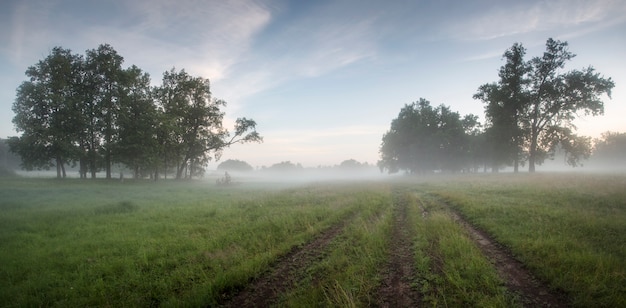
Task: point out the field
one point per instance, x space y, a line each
491 240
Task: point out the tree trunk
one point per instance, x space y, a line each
532 153
92 156
179 170
92 164
107 161
58 165
63 169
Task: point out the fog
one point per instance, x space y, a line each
297 176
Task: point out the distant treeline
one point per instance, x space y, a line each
288 166
89 111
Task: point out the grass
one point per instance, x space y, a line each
106 243
452 270
347 276
568 229
85 244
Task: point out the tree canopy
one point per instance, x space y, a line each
424 139
530 111
91 111
234 165
610 151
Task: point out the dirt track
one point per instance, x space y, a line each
396 289
518 279
266 290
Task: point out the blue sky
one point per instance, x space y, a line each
323 79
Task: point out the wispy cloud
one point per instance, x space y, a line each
530 16
313 46
204 37
25 26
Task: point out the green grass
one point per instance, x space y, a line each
347 276
138 243
452 270
568 229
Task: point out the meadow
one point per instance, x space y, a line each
67 243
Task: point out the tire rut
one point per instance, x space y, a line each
396 289
265 290
518 279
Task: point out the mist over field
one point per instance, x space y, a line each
270 153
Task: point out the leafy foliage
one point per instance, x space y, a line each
531 109
610 150
44 112
92 111
505 107
424 139
234 165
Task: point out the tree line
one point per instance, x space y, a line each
529 116
91 112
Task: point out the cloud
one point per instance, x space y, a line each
204 37
526 17
25 25
323 41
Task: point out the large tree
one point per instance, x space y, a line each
506 101
195 119
533 106
45 112
556 98
137 122
423 139
103 78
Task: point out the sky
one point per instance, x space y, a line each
322 79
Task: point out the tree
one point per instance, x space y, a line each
351 164
137 123
103 78
505 105
45 113
555 101
285 166
610 150
195 119
423 139
234 165
8 159
534 104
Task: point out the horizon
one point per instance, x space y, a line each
323 80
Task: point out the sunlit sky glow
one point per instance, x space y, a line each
323 79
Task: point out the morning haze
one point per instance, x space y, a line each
312 153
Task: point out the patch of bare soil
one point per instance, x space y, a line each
265 290
518 279
396 289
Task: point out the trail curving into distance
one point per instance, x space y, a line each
266 290
518 279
